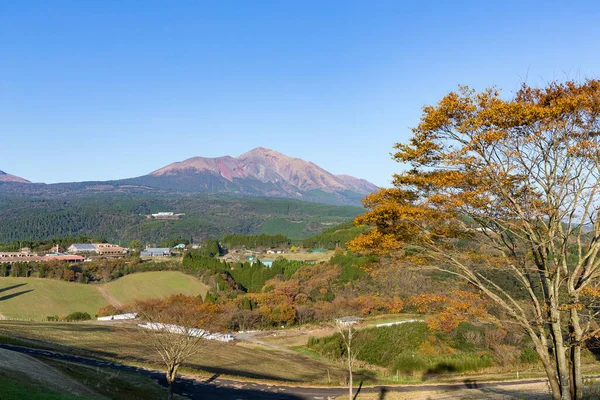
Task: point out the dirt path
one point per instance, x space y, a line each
12 362
108 297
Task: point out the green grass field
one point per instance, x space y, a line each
33 298
153 284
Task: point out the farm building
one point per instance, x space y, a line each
82 248
32 257
156 252
106 249
103 249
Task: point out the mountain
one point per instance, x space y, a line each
4 177
259 172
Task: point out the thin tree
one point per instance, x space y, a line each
172 329
346 329
519 177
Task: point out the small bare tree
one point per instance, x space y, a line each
346 329
172 329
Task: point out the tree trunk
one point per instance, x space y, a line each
171 375
575 355
550 372
349 380
576 377
559 353
349 374
170 391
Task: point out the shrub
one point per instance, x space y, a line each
528 355
78 316
409 363
107 311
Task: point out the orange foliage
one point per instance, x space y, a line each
394 305
460 306
426 302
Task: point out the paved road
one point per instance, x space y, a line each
216 389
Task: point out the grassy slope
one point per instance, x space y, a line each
154 284
32 298
126 343
28 377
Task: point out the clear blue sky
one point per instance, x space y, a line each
98 90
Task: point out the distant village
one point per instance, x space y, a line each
81 252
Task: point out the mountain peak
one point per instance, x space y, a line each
261 152
265 172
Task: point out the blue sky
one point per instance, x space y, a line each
98 90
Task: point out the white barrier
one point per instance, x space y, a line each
399 322
194 332
118 317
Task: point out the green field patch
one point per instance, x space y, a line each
292 229
36 299
154 284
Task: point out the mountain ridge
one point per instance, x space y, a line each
6 177
290 176
260 172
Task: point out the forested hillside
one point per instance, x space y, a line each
124 217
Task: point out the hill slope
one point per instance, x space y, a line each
4 177
122 217
33 298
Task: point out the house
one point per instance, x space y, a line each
56 249
32 257
20 256
167 215
156 252
107 249
274 250
102 249
63 257
82 248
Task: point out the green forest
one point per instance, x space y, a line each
124 217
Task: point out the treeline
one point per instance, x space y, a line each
335 237
249 277
94 271
253 241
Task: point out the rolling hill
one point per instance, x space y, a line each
33 298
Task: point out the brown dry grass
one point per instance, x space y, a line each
124 342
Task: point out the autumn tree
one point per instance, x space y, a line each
172 328
520 177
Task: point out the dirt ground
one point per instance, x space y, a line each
533 391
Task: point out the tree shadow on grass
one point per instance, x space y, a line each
4 289
12 295
242 373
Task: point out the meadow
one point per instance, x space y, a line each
36 299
